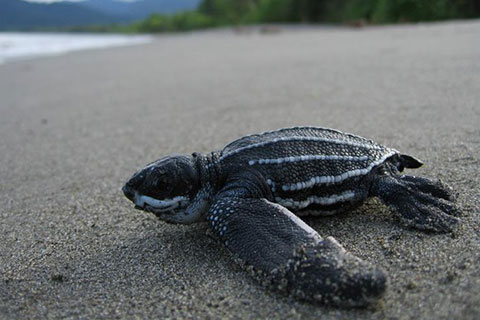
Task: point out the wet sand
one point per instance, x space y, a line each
75 127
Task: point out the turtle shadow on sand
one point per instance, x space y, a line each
170 263
168 255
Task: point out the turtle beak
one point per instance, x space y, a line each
128 192
133 184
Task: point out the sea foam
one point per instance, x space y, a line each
21 45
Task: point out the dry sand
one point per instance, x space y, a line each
73 128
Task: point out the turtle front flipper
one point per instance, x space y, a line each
419 202
288 255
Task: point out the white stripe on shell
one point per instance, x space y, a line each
307 158
366 145
272 185
318 180
299 222
333 199
167 204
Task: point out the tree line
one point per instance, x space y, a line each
217 13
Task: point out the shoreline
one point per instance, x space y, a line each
112 40
16 46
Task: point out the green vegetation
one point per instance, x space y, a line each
336 11
183 21
386 11
217 13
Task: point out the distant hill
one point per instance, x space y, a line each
139 9
16 14
113 7
21 15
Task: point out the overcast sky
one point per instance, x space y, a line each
50 1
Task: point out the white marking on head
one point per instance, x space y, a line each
161 205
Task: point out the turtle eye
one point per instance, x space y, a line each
162 184
157 184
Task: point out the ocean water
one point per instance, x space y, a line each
21 45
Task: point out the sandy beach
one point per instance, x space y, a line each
76 126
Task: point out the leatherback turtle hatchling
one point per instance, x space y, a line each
247 192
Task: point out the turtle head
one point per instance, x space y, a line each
166 187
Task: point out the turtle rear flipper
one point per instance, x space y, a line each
433 187
419 202
290 256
